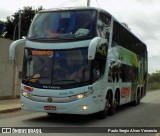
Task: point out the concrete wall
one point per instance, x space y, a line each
10 70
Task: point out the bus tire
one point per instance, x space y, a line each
114 103
112 107
138 99
117 99
103 114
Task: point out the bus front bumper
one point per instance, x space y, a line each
84 106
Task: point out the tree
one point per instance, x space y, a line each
12 23
154 77
2 27
9 28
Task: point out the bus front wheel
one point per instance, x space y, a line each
103 114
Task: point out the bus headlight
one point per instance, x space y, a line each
25 94
82 95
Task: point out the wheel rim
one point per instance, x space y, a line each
107 105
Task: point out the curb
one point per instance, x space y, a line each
10 110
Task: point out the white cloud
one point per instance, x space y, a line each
4 13
154 64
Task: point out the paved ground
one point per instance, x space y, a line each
9 105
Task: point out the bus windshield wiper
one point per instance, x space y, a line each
33 78
29 78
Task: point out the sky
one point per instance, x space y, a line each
142 17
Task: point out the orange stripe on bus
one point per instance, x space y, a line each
42 53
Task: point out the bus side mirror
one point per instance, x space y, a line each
95 42
13 47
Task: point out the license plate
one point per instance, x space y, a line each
50 108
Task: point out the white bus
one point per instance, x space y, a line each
80 61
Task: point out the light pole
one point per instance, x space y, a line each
15 64
19 25
88 3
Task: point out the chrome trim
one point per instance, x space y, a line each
54 99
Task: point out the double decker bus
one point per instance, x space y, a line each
81 61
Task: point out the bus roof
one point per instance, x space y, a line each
75 8
70 8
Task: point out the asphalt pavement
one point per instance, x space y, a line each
15 105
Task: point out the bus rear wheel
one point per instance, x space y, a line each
138 99
117 99
113 105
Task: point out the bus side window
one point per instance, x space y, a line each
96 71
104 26
123 75
110 75
115 72
128 74
98 68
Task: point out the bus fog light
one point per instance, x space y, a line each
85 107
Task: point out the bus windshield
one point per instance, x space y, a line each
56 67
63 24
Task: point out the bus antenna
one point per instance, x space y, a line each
88 3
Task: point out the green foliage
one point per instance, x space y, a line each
153 81
154 77
12 23
153 86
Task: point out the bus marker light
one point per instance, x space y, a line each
29 89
